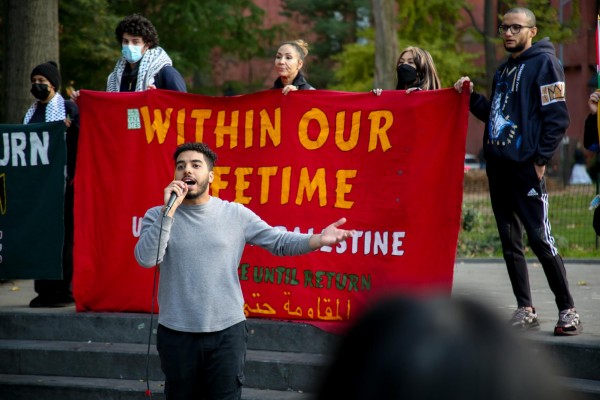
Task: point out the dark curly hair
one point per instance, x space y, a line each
137 25
209 155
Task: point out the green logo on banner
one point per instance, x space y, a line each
133 119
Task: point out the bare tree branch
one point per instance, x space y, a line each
470 14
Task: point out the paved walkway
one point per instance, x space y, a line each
487 281
483 280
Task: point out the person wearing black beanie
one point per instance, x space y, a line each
50 106
49 70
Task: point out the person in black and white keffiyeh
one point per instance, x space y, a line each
143 65
142 75
50 106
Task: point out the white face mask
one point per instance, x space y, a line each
132 53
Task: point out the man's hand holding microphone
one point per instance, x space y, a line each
173 196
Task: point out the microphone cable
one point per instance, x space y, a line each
148 391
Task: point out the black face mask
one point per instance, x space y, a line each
40 91
407 75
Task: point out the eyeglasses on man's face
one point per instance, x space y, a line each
514 28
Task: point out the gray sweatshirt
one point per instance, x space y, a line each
200 250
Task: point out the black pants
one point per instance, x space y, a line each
60 290
520 200
207 366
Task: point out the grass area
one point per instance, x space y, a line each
569 216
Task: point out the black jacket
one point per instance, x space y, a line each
167 78
299 82
527 116
72 136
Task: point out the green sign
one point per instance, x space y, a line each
33 162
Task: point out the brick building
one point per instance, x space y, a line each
578 57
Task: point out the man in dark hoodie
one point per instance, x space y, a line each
526 120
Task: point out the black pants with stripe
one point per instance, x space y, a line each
520 203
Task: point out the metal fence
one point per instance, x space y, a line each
569 215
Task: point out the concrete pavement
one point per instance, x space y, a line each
55 348
483 280
487 281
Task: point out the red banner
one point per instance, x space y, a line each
392 165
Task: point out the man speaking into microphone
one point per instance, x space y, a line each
198 242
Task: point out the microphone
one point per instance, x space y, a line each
170 203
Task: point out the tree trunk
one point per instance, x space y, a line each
490 30
30 38
386 43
